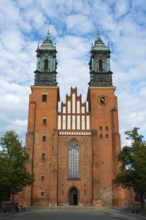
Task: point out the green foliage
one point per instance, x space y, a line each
13 173
133 164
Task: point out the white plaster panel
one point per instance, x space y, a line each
73 122
64 121
64 109
69 106
83 122
78 106
68 122
88 122
83 109
59 121
73 103
78 122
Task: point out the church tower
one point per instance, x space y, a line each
103 110
73 152
42 123
45 74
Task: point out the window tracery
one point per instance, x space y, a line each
73 159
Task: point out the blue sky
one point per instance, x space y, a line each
73 26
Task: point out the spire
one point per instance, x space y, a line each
46 68
47 43
48 36
98 35
100 73
99 45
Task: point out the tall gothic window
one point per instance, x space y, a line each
73 159
100 65
46 64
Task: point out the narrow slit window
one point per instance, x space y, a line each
46 65
43 156
44 138
42 178
101 136
100 128
100 65
44 98
44 121
106 136
42 194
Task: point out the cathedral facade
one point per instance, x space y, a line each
73 152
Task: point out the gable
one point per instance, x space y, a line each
74 114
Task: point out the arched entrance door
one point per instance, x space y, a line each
73 197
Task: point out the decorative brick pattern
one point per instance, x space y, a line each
49 159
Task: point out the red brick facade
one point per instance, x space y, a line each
73 153
97 135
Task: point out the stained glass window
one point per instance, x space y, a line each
73 160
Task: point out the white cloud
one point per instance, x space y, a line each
13 42
12 99
79 23
35 17
131 111
122 7
73 55
142 92
102 16
14 107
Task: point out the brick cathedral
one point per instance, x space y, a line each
73 152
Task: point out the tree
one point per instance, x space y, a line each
133 165
13 157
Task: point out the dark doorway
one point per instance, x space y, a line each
73 197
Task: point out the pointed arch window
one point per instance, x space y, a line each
45 64
73 160
100 65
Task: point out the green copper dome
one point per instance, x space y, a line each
47 43
99 64
99 45
46 68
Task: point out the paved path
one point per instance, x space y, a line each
71 213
